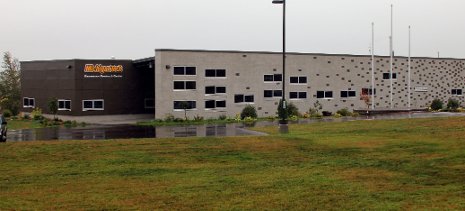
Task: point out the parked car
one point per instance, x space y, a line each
3 129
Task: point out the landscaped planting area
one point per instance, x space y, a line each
383 165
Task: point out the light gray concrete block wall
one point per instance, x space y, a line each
431 78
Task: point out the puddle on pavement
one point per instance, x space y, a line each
220 130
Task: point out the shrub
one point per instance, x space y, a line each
222 117
7 113
169 118
37 114
198 118
292 110
437 105
249 111
26 116
293 118
453 105
337 115
344 112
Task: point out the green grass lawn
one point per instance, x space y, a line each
16 124
380 165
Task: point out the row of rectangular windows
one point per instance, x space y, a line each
267 78
87 105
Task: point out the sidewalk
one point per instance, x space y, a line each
106 119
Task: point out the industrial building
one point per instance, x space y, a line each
214 83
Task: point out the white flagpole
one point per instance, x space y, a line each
372 66
409 66
392 52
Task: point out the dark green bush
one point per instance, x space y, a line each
437 105
344 112
7 113
453 105
249 111
292 110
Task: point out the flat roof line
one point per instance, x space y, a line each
296 53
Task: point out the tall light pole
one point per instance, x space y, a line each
372 66
284 104
409 67
391 40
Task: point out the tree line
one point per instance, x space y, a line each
10 85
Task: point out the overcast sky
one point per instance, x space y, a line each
132 29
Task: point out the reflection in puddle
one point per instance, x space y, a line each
220 130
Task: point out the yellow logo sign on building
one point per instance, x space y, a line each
98 68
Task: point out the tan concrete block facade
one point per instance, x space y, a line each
430 78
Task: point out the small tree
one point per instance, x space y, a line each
366 99
249 111
10 87
185 106
292 110
53 107
437 105
453 105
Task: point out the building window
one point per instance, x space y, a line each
184 85
273 78
298 80
185 71
149 103
28 102
181 105
368 91
92 105
457 92
218 73
298 95
272 93
386 76
324 94
210 90
212 104
243 98
348 94
64 105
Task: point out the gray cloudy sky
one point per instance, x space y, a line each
60 29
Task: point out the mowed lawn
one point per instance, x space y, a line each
381 165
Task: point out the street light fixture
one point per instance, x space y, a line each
283 121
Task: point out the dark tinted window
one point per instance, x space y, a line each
268 93
344 94
238 98
221 90
459 92
294 80
268 78
178 70
210 90
352 94
278 77
184 104
302 95
220 73
191 71
329 94
98 104
249 99
303 80
210 104
277 93
221 104
394 76
385 75
61 104
210 73
320 94
190 85
293 95
88 104
178 85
